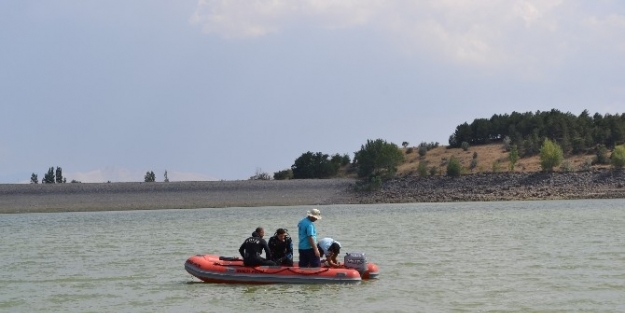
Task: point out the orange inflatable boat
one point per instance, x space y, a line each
219 269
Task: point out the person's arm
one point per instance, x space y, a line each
289 246
312 242
272 246
332 260
241 249
266 247
289 249
310 231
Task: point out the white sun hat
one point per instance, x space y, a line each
314 213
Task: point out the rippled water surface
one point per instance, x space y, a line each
543 256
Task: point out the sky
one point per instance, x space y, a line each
221 90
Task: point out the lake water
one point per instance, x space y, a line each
539 256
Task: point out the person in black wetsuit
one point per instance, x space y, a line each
253 247
281 247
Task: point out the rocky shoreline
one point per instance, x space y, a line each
22 198
598 184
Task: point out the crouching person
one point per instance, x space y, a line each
253 247
281 247
331 249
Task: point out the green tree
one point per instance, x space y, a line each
454 169
336 161
551 155
602 155
34 179
345 160
282 175
49 177
59 175
618 157
166 179
404 144
513 157
314 165
378 158
149 177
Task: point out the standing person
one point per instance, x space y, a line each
281 247
331 249
253 247
308 252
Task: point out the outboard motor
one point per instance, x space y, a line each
356 260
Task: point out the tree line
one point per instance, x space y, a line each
551 135
56 176
575 134
51 177
375 160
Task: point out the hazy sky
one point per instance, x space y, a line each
208 90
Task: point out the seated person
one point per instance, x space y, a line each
281 248
331 249
253 247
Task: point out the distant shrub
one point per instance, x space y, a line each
284 174
444 161
422 169
566 166
618 157
473 164
586 165
423 150
260 175
513 157
464 145
454 169
433 170
409 150
371 184
431 145
551 155
496 166
507 143
601 155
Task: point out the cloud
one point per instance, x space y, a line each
520 34
243 18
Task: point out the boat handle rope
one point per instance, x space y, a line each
280 271
312 273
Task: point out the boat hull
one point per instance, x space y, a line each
210 268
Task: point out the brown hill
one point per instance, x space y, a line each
486 156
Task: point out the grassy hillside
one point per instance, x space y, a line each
487 155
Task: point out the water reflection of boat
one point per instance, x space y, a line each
219 269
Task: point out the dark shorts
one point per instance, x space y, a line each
258 261
307 258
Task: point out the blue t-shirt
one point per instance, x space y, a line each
306 228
